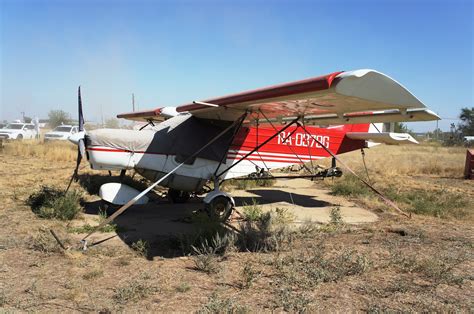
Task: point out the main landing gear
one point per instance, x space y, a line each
220 208
218 205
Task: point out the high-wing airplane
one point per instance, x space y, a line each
250 134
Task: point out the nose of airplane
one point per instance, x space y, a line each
75 138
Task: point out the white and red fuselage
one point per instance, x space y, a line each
292 146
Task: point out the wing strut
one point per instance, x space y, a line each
258 147
383 197
136 198
297 156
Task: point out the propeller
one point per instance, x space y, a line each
78 139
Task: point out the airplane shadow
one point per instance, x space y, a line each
164 226
273 196
160 223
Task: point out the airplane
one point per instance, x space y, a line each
248 135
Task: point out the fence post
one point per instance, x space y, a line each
468 171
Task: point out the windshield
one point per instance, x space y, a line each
62 129
15 126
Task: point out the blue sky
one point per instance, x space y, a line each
172 52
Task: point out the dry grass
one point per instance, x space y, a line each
422 179
423 264
389 161
52 151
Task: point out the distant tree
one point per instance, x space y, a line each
466 127
27 119
58 117
112 123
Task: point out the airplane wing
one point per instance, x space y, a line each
360 96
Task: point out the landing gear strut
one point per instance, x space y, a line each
177 196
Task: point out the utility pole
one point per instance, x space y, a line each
102 115
133 101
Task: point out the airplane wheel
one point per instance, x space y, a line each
177 196
220 208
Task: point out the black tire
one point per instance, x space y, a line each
220 208
19 137
177 196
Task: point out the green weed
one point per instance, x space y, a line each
52 203
133 290
216 304
141 247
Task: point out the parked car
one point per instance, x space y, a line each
18 131
468 141
60 133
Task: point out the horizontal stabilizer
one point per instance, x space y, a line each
386 116
384 137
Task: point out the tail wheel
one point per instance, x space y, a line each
177 196
220 208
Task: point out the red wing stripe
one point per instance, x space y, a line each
287 89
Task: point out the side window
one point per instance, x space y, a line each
29 127
74 130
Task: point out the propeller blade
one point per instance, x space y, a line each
80 115
78 139
75 173
82 148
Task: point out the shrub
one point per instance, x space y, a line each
349 185
208 232
270 232
207 252
250 184
133 290
253 211
88 228
141 247
440 204
292 301
52 203
216 304
306 270
249 274
206 263
218 244
335 216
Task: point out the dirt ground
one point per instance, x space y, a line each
374 261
